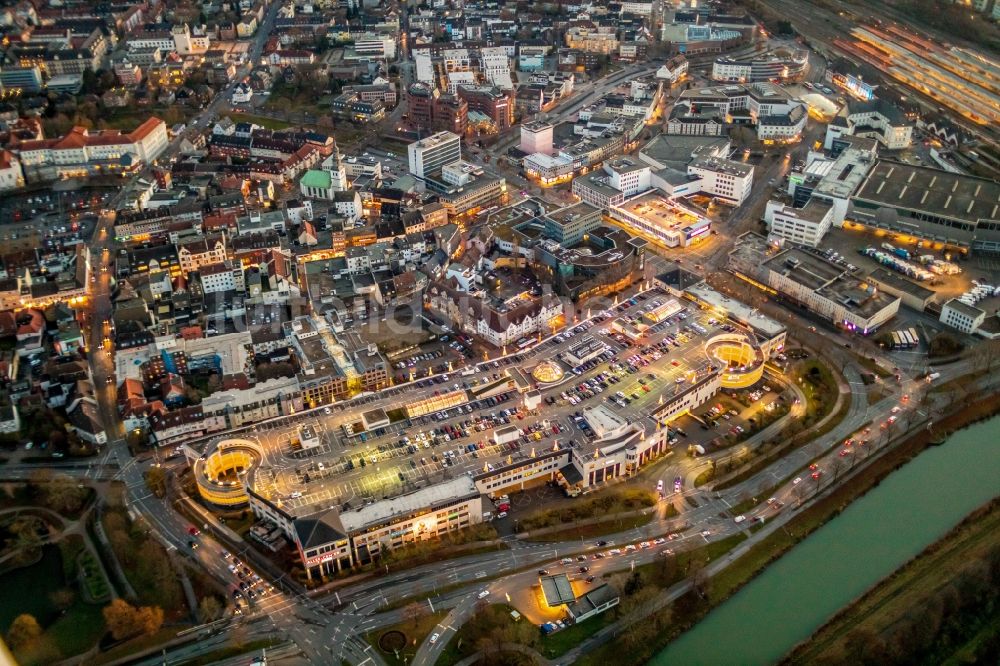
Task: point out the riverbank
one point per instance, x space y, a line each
921 591
689 609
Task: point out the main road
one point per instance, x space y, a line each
714 519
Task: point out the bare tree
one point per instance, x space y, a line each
414 611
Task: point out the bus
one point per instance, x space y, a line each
524 343
905 339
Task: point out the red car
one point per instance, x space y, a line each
817 474
193 531
814 467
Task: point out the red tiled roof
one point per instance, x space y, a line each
78 137
144 130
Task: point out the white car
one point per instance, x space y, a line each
483 594
435 637
327 410
740 518
296 495
502 514
797 481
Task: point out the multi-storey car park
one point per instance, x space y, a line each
412 462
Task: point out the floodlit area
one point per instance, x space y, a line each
662 219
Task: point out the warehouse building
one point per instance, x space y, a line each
952 211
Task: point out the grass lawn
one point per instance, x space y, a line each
872 366
876 394
28 590
604 503
495 617
594 530
561 642
78 629
240 523
819 385
704 477
751 502
959 383
422 598
424 552
263 121
299 106
415 632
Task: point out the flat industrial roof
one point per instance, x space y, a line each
934 191
676 152
814 210
846 174
741 312
599 183
829 280
446 492
592 600
807 269
557 589
969 311
900 283
573 212
660 211
722 165
603 420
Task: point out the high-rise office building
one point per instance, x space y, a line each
429 155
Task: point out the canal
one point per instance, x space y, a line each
913 507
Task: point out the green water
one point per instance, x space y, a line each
911 509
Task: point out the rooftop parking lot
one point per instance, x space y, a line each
409 453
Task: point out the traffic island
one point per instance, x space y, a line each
398 643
